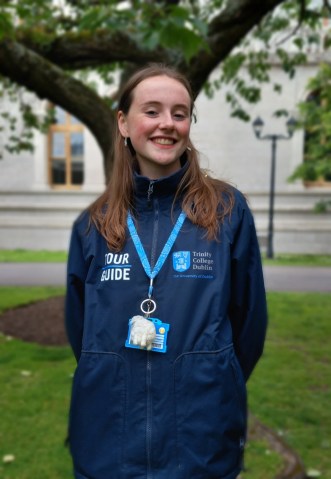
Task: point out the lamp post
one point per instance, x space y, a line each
258 125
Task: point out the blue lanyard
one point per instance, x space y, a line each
164 253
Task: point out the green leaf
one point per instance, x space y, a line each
232 65
6 26
200 25
185 40
277 87
241 114
280 113
299 42
151 40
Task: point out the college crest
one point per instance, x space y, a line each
181 261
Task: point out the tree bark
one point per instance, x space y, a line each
74 51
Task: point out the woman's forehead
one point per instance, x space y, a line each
159 89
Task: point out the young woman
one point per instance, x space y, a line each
165 309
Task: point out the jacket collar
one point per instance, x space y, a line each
146 189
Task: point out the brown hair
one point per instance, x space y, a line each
212 199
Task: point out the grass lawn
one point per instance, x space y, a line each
298 260
29 256
290 391
35 390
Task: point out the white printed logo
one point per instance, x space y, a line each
116 267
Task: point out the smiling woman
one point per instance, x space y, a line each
165 307
158 125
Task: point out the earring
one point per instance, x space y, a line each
188 148
125 141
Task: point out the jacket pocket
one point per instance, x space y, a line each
97 412
210 403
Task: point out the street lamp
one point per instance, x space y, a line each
258 125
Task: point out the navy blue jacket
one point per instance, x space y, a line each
174 415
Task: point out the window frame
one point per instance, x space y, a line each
67 128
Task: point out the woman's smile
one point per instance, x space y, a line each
163 141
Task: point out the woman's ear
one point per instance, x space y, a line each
122 124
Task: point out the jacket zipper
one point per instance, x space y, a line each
149 193
149 416
149 357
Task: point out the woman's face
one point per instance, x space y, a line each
158 125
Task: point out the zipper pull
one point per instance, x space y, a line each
149 194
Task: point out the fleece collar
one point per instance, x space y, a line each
146 190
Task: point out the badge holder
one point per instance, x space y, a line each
147 333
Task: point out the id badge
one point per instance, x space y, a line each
159 344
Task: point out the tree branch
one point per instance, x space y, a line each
225 32
303 10
90 49
26 68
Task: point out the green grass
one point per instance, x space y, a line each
298 260
30 256
289 391
34 400
13 296
291 388
35 392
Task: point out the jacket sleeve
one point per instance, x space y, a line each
248 310
75 294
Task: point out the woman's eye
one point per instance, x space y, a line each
151 113
180 116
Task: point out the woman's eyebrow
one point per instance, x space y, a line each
157 103
150 103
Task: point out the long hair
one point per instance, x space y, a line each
205 200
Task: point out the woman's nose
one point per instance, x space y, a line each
166 121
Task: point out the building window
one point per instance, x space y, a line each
66 151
